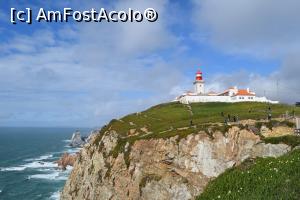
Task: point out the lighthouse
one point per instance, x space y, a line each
199 83
231 95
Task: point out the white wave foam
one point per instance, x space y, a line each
67 141
44 157
52 176
55 196
69 168
73 150
40 164
32 165
45 170
19 168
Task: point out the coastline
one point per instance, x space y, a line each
28 165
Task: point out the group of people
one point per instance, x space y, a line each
229 118
235 118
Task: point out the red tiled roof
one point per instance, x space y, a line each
244 93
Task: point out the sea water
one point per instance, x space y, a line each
27 168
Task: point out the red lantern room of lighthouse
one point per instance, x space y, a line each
199 83
199 76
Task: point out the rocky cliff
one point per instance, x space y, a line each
109 167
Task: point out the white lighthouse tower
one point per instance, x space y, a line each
199 83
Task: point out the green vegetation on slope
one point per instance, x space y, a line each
176 119
262 178
171 119
291 140
273 123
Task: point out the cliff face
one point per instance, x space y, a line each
160 168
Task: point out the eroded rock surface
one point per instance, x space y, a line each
66 160
160 168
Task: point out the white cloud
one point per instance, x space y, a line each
28 44
263 29
86 74
76 74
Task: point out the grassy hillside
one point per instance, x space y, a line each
175 118
262 178
290 140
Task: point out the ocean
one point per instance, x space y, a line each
27 171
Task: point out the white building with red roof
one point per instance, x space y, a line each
231 95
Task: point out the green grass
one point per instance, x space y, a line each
274 123
165 121
171 116
262 178
210 112
291 140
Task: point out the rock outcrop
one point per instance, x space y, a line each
77 140
66 160
276 131
170 168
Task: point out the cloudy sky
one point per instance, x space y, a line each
84 74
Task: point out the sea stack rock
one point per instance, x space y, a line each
77 140
66 160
